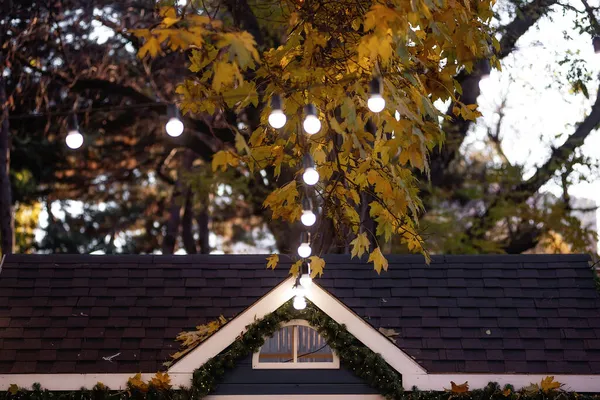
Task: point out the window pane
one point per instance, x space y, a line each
312 347
279 347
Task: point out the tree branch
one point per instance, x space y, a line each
456 127
524 190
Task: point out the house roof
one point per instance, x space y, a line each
532 314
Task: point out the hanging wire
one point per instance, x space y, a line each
153 104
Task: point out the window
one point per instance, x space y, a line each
296 345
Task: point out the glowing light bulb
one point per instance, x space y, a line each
485 83
311 124
277 119
304 250
376 103
308 218
174 127
397 115
299 303
74 139
310 176
306 281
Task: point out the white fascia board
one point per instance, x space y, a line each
229 333
437 382
576 383
364 332
78 381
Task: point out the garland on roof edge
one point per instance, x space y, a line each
366 364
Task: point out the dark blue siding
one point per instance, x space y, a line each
245 380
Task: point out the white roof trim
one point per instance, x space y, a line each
331 306
228 333
77 381
364 332
578 383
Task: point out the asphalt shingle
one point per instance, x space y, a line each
472 314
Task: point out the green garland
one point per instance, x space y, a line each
366 364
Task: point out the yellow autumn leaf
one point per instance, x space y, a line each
462 388
549 384
240 144
170 21
136 382
295 268
161 381
224 158
378 260
242 48
360 245
151 47
272 261
225 75
317 264
13 389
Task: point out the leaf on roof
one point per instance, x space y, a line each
191 339
13 389
389 333
161 381
532 389
549 384
272 261
462 388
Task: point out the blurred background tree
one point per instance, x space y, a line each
133 189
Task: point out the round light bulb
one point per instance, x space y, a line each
74 139
304 250
311 124
308 218
174 127
484 83
310 176
306 281
376 103
299 303
299 291
277 119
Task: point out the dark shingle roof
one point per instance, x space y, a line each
472 314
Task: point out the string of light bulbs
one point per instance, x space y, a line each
277 119
312 125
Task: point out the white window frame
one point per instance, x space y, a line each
334 364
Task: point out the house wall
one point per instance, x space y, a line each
243 380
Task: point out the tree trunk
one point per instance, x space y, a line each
170 238
203 231
7 239
187 223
